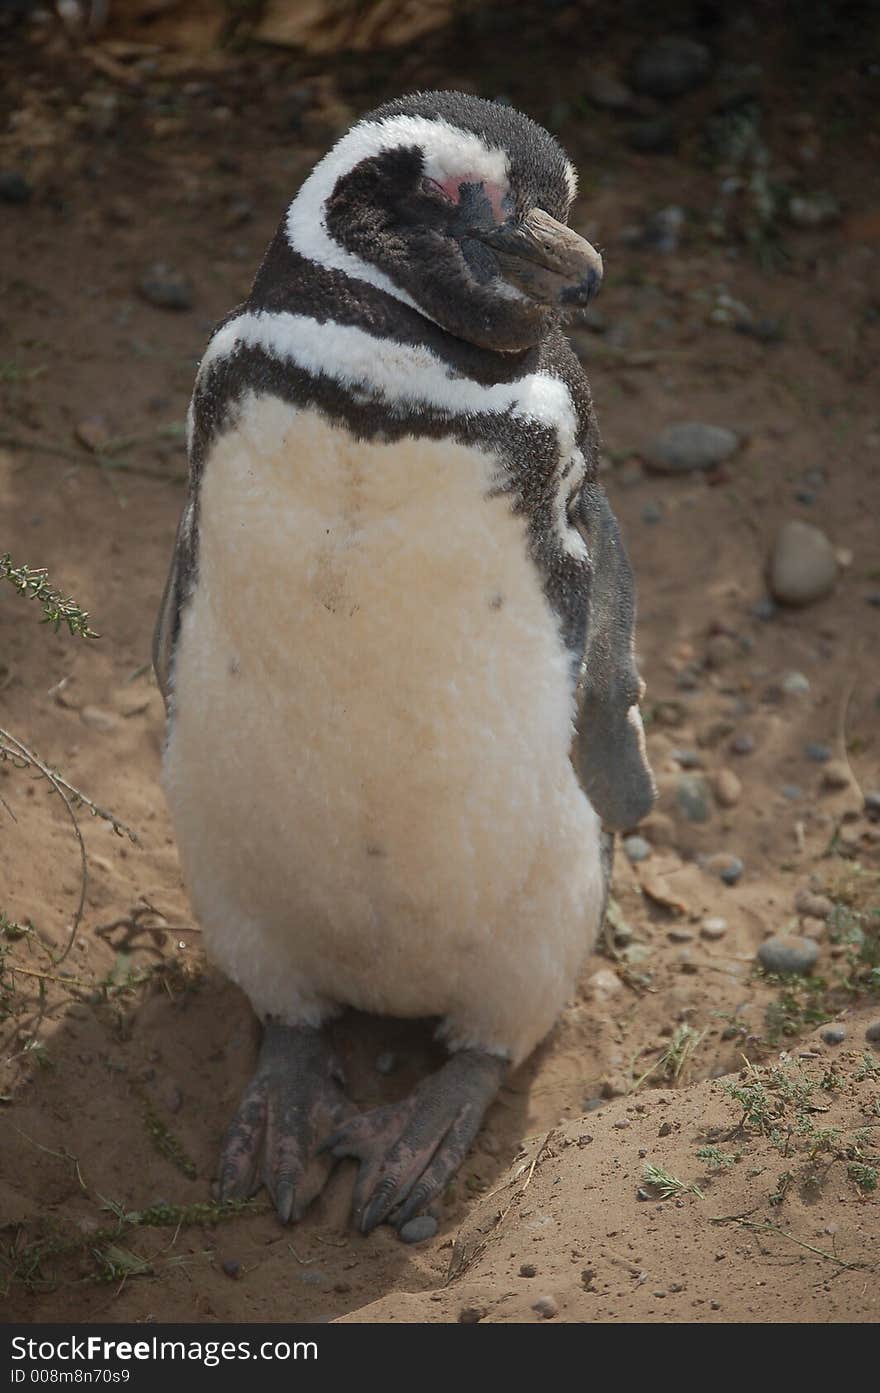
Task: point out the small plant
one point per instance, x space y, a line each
667 1185
862 1175
716 1159
57 609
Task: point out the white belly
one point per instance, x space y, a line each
368 764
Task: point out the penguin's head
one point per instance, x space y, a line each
457 207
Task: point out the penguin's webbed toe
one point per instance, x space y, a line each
409 1151
293 1103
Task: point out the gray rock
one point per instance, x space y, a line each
386 1062
792 792
819 754
726 866
692 797
795 684
802 566
742 744
873 1032
688 759
788 953
546 1307
636 848
689 445
872 805
652 512
834 1035
417 1230
765 610
670 66
166 287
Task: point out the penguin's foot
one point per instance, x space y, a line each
409 1151
290 1107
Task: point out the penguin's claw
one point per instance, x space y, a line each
292 1103
409 1151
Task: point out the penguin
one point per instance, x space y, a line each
396 643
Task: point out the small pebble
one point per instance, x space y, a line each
528 1269
470 1315
689 445
727 788
545 1307
386 1062
813 210
788 953
727 867
742 744
835 775
636 848
872 806
166 287
604 983
873 1032
713 928
231 1267
813 928
795 684
692 797
417 1230
765 610
688 759
97 719
652 512
792 792
811 904
802 566
834 1035
819 754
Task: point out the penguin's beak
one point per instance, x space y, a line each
546 260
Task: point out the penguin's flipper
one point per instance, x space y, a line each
409 1151
609 748
277 1137
177 587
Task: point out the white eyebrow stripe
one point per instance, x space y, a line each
447 151
398 373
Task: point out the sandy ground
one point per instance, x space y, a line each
123 1061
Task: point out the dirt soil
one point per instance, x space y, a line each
123 1060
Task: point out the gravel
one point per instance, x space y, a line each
688 446
788 953
417 1230
802 566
